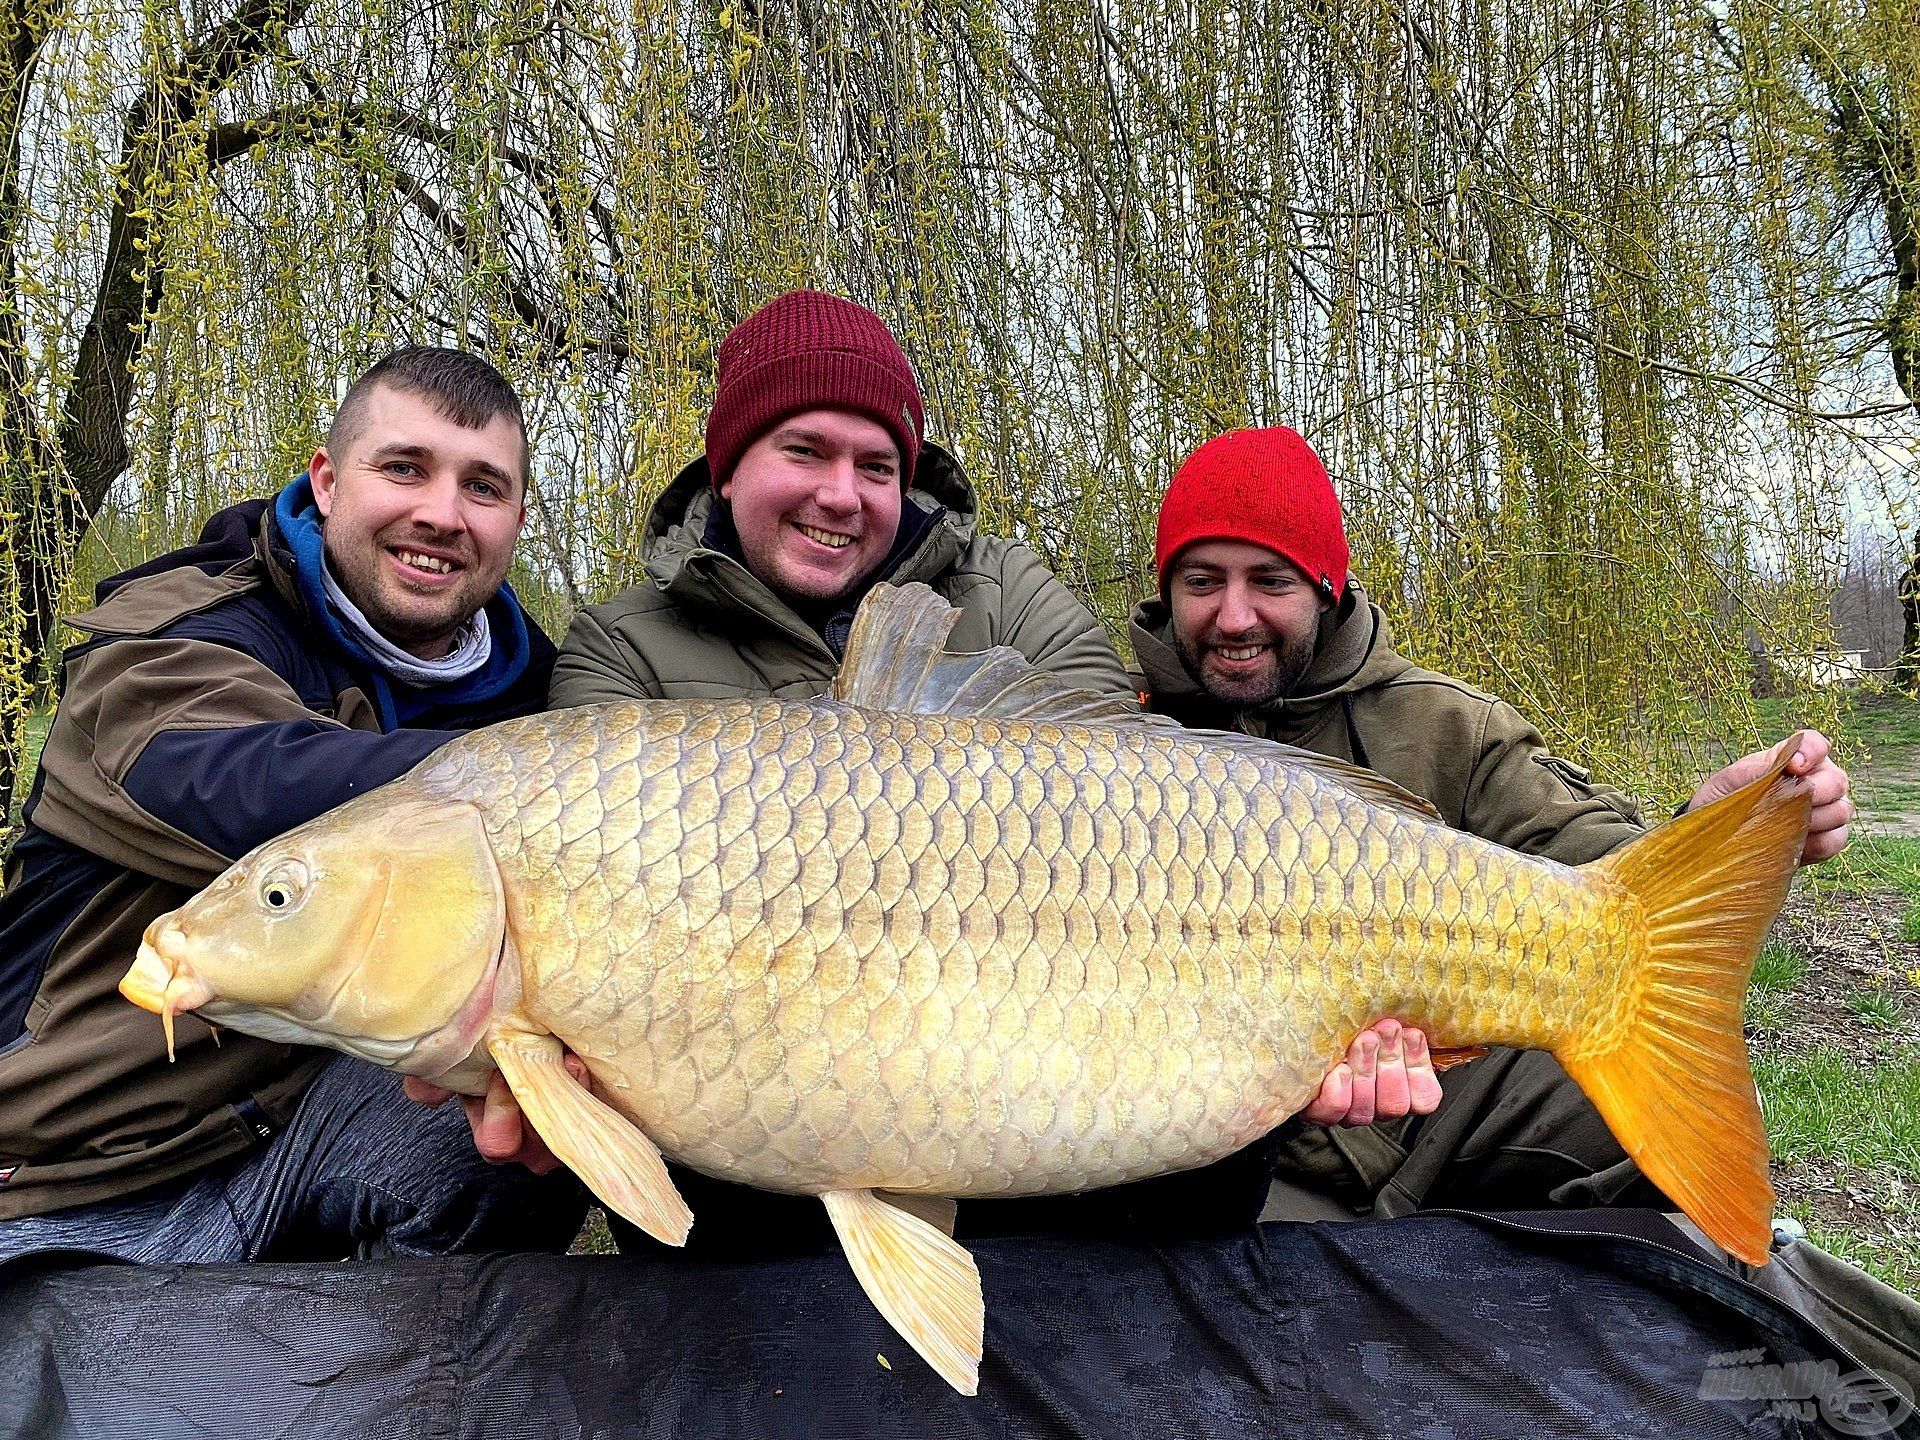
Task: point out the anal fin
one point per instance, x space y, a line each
605 1149
925 1285
1445 1057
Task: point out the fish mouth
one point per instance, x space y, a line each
165 987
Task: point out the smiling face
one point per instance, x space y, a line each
421 514
816 502
1244 620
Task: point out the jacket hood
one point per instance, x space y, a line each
682 560
1355 653
229 537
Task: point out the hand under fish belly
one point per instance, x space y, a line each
955 932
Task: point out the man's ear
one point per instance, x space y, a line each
320 473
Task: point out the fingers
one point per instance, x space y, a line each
1391 1087
1423 1082
1364 1056
495 1118
424 1092
1814 748
1329 1107
1388 1074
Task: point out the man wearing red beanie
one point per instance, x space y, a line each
818 483
1259 627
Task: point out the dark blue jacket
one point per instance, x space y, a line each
216 702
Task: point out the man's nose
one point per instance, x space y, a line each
436 505
1236 610
838 492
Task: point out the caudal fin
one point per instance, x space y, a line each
1673 1082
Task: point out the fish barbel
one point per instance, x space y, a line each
956 931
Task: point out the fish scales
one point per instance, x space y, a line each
977 957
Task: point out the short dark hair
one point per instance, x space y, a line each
463 387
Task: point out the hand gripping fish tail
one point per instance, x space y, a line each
1672 1078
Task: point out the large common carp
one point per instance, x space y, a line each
956 931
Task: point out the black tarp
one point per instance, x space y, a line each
1430 1327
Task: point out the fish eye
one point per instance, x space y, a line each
284 886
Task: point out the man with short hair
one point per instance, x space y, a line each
1259 627
310 647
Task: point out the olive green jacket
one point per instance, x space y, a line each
702 626
1475 758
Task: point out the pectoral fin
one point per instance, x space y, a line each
936 1210
925 1285
605 1149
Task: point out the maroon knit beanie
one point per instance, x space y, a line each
806 350
1262 486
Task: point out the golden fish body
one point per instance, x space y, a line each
958 931
813 948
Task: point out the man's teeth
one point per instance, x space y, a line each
424 562
826 537
1240 652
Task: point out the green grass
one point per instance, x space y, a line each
1826 1109
1779 967
1872 862
1877 1006
1825 1105
1879 721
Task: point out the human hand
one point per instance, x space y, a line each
1388 1074
1832 810
500 1133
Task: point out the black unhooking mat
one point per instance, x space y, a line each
1429 1327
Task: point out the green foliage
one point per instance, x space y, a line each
1872 862
1835 1116
1827 1105
1878 1006
1779 968
1570 298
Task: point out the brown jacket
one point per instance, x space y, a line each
205 712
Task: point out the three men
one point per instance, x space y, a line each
308 648
1259 627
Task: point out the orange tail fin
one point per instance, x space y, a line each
1674 1084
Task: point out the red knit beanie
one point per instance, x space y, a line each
1262 486
806 350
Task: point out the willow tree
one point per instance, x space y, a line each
1572 299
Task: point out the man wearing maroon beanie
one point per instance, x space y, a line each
818 483
1260 627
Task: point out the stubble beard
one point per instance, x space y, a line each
365 586
1291 657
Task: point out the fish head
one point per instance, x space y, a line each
376 929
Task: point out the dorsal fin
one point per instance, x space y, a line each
895 662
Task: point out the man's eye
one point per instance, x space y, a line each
486 489
403 467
